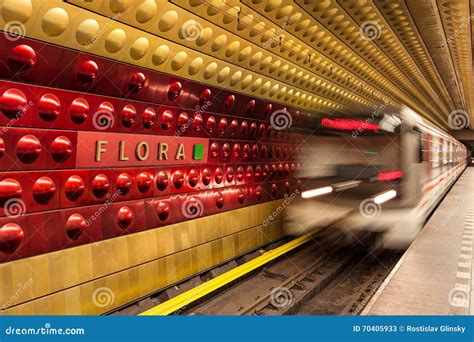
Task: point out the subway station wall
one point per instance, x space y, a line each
117 175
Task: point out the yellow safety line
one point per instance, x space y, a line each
204 289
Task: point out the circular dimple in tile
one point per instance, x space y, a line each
115 40
178 60
235 78
204 37
210 70
232 48
223 74
86 32
139 48
219 42
55 21
195 66
256 84
146 11
160 54
17 10
244 53
246 81
118 6
167 21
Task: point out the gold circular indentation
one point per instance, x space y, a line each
210 70
266 62
195 66
246 81
118 6
232 48
17 10
55 21
244 53
178 60
167 21
265 88
272 5
204 37
139 48
235 78
160 55
146 11
223 74
256 84
219 42
274 90
115 40
255 58
87 32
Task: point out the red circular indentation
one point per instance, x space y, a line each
263 151
258 193
61 149
234 127
144 180
250 107
287 188
286 169
222 125
265 172
218 175
205 97
124 217
22 58
13 103
183 121
2 147
292 167
11 236
136 82
246 151
267 110
274 190
149 118
249 173
197 122
254 152
236 150
273 172
240 196
43 190
166 119
163 210
100 185
128 116
240 174
214 150
75 226
28 149
49 107
178 179
219 198
79 110
74 188
9 188
174 91
258 173
123 184
161 180
210 124
87 72
244 128
206 176
229 175
253 129
229 102
193 177
261 130
280 169
269 131
226 151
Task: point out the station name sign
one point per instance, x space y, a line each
101 149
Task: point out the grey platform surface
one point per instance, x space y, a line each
434 275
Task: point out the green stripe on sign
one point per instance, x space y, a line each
198 152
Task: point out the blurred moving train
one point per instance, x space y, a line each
385 177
